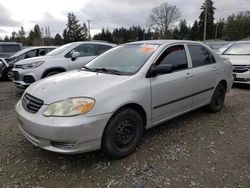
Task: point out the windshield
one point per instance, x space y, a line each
126 59
223 48
60 50
238 49
19 53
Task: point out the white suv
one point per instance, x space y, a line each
67 57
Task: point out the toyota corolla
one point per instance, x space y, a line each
108 103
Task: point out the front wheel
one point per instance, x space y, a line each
123 134
217 101
7 74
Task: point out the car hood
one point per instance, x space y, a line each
73 84
238 59
34 59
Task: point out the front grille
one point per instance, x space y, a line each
240 68
31 104
241 79
16 75
18 66
28 79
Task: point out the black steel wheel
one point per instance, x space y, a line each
123 134
217 101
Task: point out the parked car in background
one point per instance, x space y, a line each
67 57
9 48
223 48
8 63
238 54
109 102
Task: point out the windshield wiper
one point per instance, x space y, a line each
109 71
89 69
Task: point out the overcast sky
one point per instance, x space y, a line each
102 13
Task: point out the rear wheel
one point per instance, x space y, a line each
123 134
217 101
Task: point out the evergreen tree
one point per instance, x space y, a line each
74 31
58 40
184 30
176 33
238 26
194 31
210 20
6 39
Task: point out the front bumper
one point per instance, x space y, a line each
67 135
243 78
22 78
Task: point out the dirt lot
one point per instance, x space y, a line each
198 149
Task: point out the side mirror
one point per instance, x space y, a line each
75 55
159 69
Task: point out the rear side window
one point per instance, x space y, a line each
175 56
99 49
200 56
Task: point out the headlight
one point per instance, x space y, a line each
32 65
69 107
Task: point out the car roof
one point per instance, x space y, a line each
10 43
242 42
161 42
93 42
38 47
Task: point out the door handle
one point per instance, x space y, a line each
215 69
188 75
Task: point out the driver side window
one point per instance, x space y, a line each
30 54
175 56
84 50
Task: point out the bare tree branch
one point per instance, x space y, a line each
162 17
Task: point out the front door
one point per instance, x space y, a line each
87 53
172 93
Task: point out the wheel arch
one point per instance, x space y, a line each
224 83
134 106
60 69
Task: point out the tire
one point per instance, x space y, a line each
218 98
122 134
51 73
7 74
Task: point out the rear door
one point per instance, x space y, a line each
172 93
205 74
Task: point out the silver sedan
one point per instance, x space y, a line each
108 103
238 54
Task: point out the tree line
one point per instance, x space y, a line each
163 22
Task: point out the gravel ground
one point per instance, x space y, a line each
198 149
